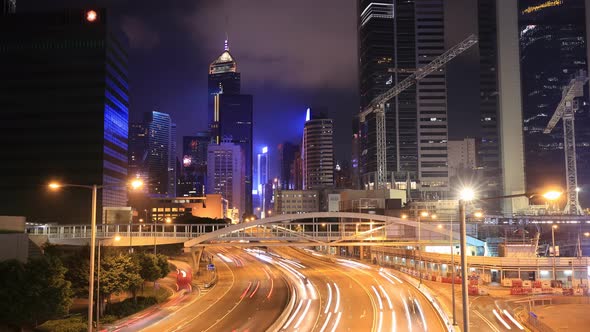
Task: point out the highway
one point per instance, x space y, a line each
249 296
358 297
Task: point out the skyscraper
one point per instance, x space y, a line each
231 113
318 152
225 173
261 180
501 150
194 165
63 113
553 48
391 47
138 151
160 151
287 152
224 78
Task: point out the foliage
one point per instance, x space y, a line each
47 291
129 306
118 273
12 305
78 267
149 270
33 292
163 264
72 324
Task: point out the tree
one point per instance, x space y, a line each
48 293
149 270
34 292
119 273
163 264
12 306
78 272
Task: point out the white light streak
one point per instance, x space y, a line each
513 319
501 319
378 297
294 314
329 298
337 298
337 321
326 322
386 297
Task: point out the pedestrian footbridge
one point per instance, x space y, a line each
309 229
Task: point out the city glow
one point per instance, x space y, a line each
467 194
404 216
424 214
478 214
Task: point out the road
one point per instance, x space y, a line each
358 297
249 296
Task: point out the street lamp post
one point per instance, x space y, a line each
467 195
553 228
135 184
100 242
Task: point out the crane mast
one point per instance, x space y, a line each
377 105
566 110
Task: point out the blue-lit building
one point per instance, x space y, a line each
259 192
63 113
160 161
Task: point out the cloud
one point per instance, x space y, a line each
140 35
304 43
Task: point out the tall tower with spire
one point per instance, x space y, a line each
230 113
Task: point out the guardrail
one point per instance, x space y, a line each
492 262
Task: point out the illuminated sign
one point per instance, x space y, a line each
546 4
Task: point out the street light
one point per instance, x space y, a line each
116 239
134 184
422 214
466 195
553 228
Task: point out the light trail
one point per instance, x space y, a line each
513 319
421 314
337 298
380 326
246 290
393 322
224 258
326 322
255 289
337 321
407 312
378 297
501 319
272 286
386 297
303 314
329 299
294 315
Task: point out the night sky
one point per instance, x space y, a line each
291 54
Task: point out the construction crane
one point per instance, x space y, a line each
566 111
377 105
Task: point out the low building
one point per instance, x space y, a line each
210 206
296 201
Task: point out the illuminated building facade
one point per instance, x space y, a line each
394 39
553 48
226 174
231 113
194 165
63 113
261 181
160 154
318 152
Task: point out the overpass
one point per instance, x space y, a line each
309 229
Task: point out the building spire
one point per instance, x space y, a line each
226 43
